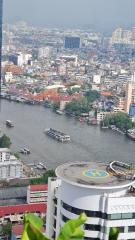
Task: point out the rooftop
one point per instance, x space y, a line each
23 208
97 174
38 187
4 150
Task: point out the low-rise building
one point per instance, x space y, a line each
37 193
14 214
9 168
101 116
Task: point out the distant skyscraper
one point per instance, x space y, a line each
1 15
128 97
72 42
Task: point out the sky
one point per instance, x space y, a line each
100 14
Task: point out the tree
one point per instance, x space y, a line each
77 107
5 141
120 120
44 178
92 95
6 229
55 106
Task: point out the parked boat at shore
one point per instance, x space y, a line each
114 128
131 134
59 136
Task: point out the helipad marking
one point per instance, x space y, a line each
95 173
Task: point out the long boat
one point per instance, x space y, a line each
57 135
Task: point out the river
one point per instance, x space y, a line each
88 143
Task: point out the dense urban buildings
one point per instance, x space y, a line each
87 76
1 18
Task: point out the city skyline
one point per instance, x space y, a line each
101 15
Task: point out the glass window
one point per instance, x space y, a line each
131 228
78 211
114 216
64 218
104 229
89 238
121 229
127 215
92 227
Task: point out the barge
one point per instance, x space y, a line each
57 135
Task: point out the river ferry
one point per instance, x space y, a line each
57 135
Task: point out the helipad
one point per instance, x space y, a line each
95 173
92 175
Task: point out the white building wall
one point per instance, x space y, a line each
97 79
9 168
109 201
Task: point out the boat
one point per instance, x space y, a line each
57 135
27 150
59 112
24 151
41 166
9 123
131 134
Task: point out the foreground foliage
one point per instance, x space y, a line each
113 235
71 230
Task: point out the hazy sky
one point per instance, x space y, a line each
102 14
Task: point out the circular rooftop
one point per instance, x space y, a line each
93 175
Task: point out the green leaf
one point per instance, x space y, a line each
25 235
72 229
114 232
35 234
35 221
32 228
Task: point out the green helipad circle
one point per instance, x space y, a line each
95 173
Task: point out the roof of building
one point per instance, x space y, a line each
13 193
17 229
23 208
38 187
4 150
97 175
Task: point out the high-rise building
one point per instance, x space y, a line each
105 192
72 42
44 52
128 97
1 15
